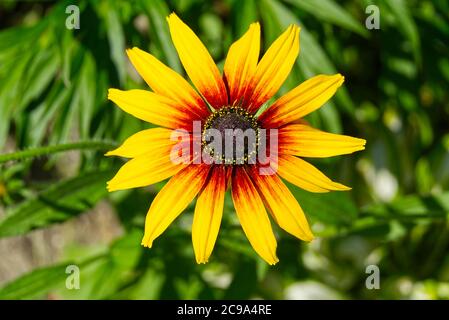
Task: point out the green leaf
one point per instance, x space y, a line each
60 202
35 284
126 251
336 208
330 11
39 119
12 38
107 279
148 287
412 207
116 39
157 12
313 60
117 269
405 23
85 94
245 13
10 78
40 72
39 282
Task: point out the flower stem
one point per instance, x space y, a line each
39 151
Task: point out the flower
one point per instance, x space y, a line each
231 101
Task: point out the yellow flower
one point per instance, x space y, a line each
227 101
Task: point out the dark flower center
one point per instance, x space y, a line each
231 136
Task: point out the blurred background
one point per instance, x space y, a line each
55 210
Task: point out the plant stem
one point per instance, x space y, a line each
39 151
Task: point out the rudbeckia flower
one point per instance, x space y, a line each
223 102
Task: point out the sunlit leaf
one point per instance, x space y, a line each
330 11
157 12
39 282
35 284
116 39
332 208
245 13
60 202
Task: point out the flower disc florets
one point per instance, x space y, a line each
231 136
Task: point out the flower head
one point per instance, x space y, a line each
223 112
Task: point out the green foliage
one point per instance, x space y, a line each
53 99
34 284
59 202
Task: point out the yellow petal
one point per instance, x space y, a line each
304 141
197 62
174 197
208 213
241 63
305 98
305 175
151 107
145 170
145 141
253 217
167 82
282 204
273 68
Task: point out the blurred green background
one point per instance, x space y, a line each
54 208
